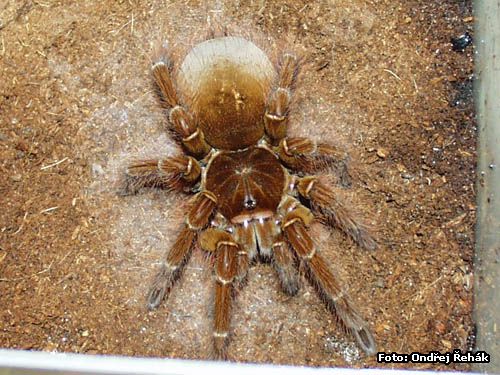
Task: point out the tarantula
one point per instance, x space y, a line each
228 106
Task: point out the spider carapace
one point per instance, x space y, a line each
228 107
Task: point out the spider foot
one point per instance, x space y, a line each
365 340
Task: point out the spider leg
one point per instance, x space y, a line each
283 262
276 116
182 122
333 212
294 226
197 218
227 269
171 268
243 266
271 245
307 156
174 173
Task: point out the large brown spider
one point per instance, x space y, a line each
228 106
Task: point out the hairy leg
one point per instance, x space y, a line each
333 212
174 173
276 116
181 121
307 156
171 268
284 264
294 225
197 218
227 268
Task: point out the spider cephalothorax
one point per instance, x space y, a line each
228 106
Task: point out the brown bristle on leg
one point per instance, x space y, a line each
163 77
278 104
231 265
181 121
276 117
222 318
334 213
283 262
339 303
171 268
174 173
196 144
326 283
304 155
201 211
289 70
198 217
243 265
226 268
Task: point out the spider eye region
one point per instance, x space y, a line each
250 203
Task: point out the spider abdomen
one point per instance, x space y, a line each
248 184
226 82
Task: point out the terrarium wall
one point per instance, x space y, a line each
487 272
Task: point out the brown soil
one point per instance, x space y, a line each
76 103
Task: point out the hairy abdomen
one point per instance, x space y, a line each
226 82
